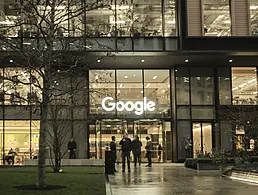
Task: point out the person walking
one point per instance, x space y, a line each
136 149
113 151
71 149
148 148
126 149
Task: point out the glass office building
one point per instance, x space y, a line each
175 64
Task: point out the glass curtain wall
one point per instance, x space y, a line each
254 17
216 17
244 85
22 136
136 18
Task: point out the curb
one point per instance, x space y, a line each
108 186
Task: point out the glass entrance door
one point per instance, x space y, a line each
202 138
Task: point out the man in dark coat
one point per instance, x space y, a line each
148 148
71 148
126 149
136 148
113 150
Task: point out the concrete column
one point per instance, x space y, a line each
240 17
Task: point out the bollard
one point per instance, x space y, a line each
109 164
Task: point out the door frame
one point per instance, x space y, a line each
213 144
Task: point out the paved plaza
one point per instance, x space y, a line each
173 179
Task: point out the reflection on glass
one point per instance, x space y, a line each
202 86
254 17
182 86
102 84
147 17
16 85
216 18
157 89
170 18
244 85
224 86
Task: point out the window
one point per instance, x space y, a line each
129 88
170 18
182 86
202 86
254 17
102 84
216 17
147 18
224 86
157 89
244 85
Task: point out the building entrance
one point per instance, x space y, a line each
159 131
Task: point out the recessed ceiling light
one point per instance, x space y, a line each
148 85
230 61
126 77
154 77
11 61
118 91
186 61
143 61
97 77
121 84
58 70
141 91
176 70
98 60
134 75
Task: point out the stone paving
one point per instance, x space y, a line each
173 179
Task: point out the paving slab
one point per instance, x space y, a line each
169 179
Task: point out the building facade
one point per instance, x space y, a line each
175 64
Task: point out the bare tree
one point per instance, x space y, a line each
46 53
243 119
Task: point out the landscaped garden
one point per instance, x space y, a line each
74 180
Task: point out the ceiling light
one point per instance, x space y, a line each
126 77
141 91
168 85
121 84
176 70
11 61
118 91
97 77
230 61
154 77
186 61
58 70
148 85
134 75
143 61
255 70
98 60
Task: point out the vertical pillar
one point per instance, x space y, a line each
194 18
240 17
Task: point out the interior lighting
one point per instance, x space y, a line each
121 85
126 76
141 91
134 75
97 77
98 61
186 61
176 70
143 61
242 179
11 61
148 85
118 91
154 77
230 61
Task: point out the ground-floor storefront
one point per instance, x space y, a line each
168 105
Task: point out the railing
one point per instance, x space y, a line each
94 44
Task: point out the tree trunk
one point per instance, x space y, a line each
41 181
